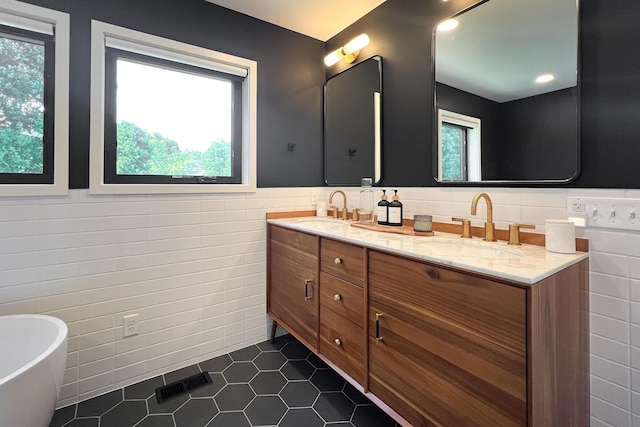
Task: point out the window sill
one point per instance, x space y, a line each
171 188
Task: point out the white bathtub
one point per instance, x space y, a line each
33 354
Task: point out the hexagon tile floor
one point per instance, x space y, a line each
280 384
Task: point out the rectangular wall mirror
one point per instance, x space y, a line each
352 124
507 93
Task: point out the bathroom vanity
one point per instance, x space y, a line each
439 331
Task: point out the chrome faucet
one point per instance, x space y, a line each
489 226
334 209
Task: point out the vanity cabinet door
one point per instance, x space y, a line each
293 283
445 347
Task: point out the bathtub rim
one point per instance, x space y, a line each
62 332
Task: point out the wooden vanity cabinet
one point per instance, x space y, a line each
436 345
292 284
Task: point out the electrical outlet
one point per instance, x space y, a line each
130 324
604 212
578 206
314 197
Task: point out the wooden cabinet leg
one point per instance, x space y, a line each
274 327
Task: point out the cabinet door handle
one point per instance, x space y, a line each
307 282
338 260
337 341
337 297
378 316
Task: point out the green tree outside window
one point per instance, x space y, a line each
21 106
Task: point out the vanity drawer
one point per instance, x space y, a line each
297 240
492 310
342 260
342 342
343 298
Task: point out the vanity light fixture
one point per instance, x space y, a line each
349 51
448 25
545 78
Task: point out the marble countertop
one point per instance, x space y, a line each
526 263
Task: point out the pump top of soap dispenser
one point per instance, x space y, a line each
384 195
395 196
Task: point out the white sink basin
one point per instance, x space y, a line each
327 224
465 248
332 225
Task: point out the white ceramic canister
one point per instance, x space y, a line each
560 236
321 209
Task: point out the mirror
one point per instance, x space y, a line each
494 121
352 127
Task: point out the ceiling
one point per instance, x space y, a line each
501 46
496 52
320 19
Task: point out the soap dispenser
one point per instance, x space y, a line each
395 211
383 209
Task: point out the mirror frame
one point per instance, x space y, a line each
376 174
506 182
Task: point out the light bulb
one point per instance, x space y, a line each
356 44
333 57
448 25
545 78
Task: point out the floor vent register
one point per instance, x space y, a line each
182 386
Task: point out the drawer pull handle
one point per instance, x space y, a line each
307 297
378 337
338 260
337 297
337 341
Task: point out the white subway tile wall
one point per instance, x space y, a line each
194 268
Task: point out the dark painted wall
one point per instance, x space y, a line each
290 77
400 31
537 138
529 138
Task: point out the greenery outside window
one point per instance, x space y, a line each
454 152
459 153
169 117
34 52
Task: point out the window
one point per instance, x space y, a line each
459 156
454 152
171 117
34 72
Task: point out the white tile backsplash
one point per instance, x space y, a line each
194 268
610 328
613 372
610 393
607 414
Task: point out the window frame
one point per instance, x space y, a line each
463 131
473 142
53 29
112 55
105 37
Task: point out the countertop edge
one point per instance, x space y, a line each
571 259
